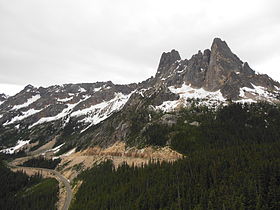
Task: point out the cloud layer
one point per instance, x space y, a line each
65 41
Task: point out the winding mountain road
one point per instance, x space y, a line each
58 177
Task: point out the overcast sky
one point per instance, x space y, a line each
46 42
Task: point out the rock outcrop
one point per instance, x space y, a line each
213 70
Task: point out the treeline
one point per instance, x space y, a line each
232 162
20 191
42 162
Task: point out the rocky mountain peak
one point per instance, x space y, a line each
29 86
215 69
166 60
222 62
29 89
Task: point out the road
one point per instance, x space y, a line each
60 178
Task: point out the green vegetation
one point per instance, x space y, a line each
10 135
156 134
19 191
78 167
8 157
40 196
41 162
232 162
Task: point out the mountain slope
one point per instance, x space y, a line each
102 113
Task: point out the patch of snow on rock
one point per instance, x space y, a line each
97 89
65 99
99 112
254 94
23 116
57 117
187 92
82 90
19 145
29 101
69 152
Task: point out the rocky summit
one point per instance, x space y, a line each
103 113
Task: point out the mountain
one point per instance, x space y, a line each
103 113
90 103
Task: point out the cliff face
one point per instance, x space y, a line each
218 69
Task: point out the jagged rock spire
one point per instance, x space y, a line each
222 63
167 59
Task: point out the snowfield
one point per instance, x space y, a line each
187 92
93 114
248 95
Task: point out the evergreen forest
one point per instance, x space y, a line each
231 161
22 192
42 162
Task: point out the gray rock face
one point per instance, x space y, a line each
197 68
166 60
222 63
212 70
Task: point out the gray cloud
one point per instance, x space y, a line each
62 41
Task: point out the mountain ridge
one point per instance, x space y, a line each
102 113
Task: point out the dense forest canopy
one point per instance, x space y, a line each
20 191
42 162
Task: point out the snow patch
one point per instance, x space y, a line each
99 112
57 117
97 89
54 150
19 145
65 154
107 87
69 152
257 93
168 105
179 72
187 92
23 116
247 100
60 115
29 101
65 99
82 90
